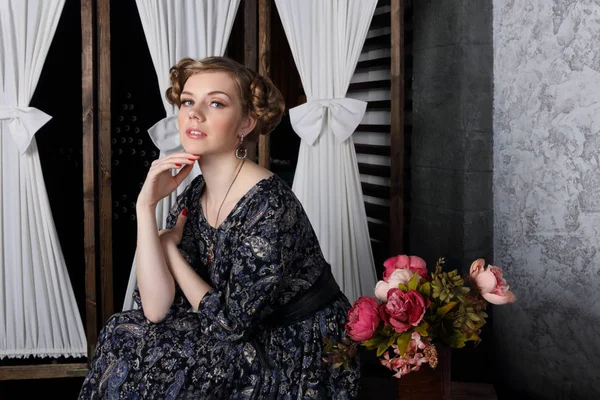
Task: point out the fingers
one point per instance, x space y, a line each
174 161
183 173
181 218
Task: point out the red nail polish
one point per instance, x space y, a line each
191 159
197 155
184 212
178 165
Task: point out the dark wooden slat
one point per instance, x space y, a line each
377 42
383 62
89 180
380 21
104 159
251 51
264 67
372 149
47 371
380 254
397 137
379 191
379 105
373 128
358 86
385 128
379 232
377 211
375 170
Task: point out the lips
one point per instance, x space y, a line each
195 133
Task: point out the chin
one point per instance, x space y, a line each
190 147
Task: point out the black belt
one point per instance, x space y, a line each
324 291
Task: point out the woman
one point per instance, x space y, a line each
235 297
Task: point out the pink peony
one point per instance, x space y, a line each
397 277
403 310
412 263
490 282
363 319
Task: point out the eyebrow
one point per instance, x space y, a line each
208 94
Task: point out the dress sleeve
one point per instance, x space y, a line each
264 253
187 248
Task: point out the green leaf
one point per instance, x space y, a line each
402 287
443 296
392 339
383 346
422 328
402 342
473 317
425 289
474 337
441 311
414 282
456 340
372 343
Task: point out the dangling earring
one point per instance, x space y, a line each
241 152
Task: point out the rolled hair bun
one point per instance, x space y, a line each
267 104
259 96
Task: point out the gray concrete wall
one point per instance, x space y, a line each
547 193
451 208
451 166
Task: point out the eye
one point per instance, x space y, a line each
217 104
187 102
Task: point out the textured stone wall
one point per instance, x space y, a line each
547 193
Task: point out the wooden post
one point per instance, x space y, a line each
104 159
397 128
264 68
89 211
250 49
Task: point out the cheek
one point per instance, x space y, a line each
181 117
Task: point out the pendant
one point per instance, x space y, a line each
210 253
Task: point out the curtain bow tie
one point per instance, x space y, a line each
165 135
23 123
342 115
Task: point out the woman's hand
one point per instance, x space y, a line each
173 236
160 182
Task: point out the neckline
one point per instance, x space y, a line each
242 199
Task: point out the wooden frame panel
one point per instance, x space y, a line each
264 68
104 159
89 181
397 129
251 50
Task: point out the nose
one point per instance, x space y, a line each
195 113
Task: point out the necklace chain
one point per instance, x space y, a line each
212 239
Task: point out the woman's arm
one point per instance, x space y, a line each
155 283
193 286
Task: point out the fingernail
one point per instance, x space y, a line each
184 212
197 155
191 159
178 165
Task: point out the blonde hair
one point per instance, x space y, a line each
259 96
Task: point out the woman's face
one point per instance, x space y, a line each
210 116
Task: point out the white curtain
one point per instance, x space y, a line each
39 315
326 39
176 29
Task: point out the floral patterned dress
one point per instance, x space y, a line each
266 253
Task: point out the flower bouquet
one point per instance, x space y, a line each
412 310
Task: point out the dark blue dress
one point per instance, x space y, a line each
266 253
